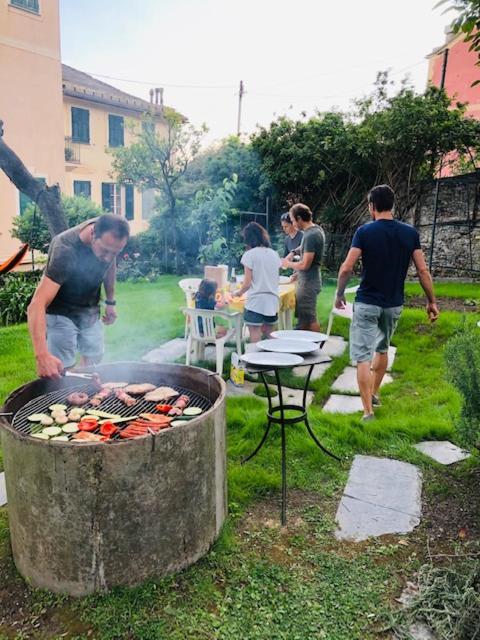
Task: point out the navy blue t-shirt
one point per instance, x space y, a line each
387 247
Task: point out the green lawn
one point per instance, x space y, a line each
262 581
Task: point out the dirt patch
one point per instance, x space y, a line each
445 304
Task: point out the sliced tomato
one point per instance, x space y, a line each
87 425
163 408
108 429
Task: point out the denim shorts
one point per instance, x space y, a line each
257 319
371 330
65 338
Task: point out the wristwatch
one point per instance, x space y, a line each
111 302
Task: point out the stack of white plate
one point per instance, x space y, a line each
296 334
281 345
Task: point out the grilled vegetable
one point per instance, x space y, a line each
118 420
192 411
37 417
52 431
57 407
88 424
60 438
103 414
61 419
46 421
108 429
163 408
70 427
40 436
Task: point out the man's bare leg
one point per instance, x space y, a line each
267 330
379 367
364 378
255 333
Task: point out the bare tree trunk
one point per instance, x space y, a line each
48 198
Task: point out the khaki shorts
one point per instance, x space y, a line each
65 338
306 301
371 330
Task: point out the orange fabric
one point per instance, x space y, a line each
12 262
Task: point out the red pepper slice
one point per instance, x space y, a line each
87 425
163 408
108 429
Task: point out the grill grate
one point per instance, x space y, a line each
110 405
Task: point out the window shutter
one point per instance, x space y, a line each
82 188
106 199
129 202
80 125
115 131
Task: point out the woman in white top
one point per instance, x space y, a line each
262 266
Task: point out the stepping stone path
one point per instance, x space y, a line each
392 352
318 371
3 491
343 404
442 451
334 346
382 496
292 396
347 381
175 349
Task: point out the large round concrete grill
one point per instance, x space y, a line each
87 517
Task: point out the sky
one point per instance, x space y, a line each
293 56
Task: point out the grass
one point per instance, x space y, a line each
451 289
261 581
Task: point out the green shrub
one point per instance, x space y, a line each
16 291
462 357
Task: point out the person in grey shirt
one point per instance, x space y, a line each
309 282
293 236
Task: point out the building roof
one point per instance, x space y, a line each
82 86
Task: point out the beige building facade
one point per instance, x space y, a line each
61 122
31 102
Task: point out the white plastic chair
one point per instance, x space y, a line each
341 313
199 337
190 287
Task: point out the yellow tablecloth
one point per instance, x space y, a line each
287 299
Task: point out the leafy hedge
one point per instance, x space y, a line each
16 291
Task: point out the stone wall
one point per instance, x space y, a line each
457 238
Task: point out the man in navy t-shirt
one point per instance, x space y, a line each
386 247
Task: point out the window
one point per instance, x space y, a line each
111 197
129 195
82 188
29 5
24 200
115 131
80 125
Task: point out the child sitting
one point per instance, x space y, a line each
205 298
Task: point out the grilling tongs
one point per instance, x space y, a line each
85 376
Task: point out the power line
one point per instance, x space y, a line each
162 84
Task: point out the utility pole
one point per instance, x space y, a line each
240 97
437 186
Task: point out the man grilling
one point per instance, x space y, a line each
64 314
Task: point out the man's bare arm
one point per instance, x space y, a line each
109 281
47 365
345 273
304 264
427 284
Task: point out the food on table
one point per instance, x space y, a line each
87 437
139 389
46 421
60 438
179 405
40 436
70 427
52 431
161 394
99 397
108 429
124 397
37 417
163 408
114 385
57 407
77 398
192 411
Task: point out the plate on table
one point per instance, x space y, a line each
294 334
280 345
284 280
268 359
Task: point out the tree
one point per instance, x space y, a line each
47 197
32 226
155 162
467 22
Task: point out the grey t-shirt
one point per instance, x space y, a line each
313 242
292 243
73 265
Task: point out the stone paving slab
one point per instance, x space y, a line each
343 404
334 346
382 496
290 396
347 381
168 352
3 491
392 352
318 371
442 451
